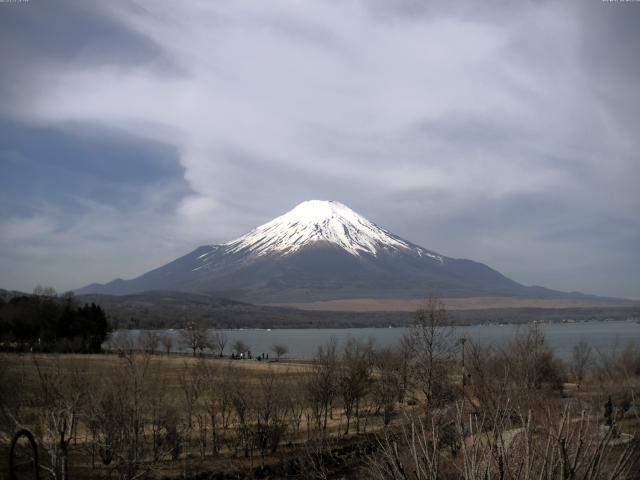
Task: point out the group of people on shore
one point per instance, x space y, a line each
247 356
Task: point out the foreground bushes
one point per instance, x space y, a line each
512 411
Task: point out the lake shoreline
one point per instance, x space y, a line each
604 335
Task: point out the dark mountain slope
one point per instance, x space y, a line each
321 251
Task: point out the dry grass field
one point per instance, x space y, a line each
349 414
266 389
169 369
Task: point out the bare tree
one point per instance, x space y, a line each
148 341
243 407
533 363
388 385
213 402
119 416
121 343
297 402
580 360
46 291
405 351
271 411
432 347
279 349
220 340
629 361
192 383
490 377
564 444
157 405
354 379
195 337
240 347
12 401
62 394
166 341
322 383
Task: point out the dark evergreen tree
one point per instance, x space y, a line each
47 323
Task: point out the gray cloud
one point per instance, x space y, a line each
503 133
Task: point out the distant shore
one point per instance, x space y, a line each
453 303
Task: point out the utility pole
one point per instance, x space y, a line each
462 341
464 372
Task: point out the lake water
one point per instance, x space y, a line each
604 336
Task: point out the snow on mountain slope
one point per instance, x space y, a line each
320 251
321 221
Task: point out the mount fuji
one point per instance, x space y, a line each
321 250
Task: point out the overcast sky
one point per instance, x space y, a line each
506 132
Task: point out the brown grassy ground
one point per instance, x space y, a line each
167 371
101 366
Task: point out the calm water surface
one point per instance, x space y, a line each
604 336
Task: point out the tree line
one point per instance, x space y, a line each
46 322
195 337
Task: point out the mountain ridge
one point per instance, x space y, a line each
321 250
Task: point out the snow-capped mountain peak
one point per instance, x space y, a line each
320 221
287 260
